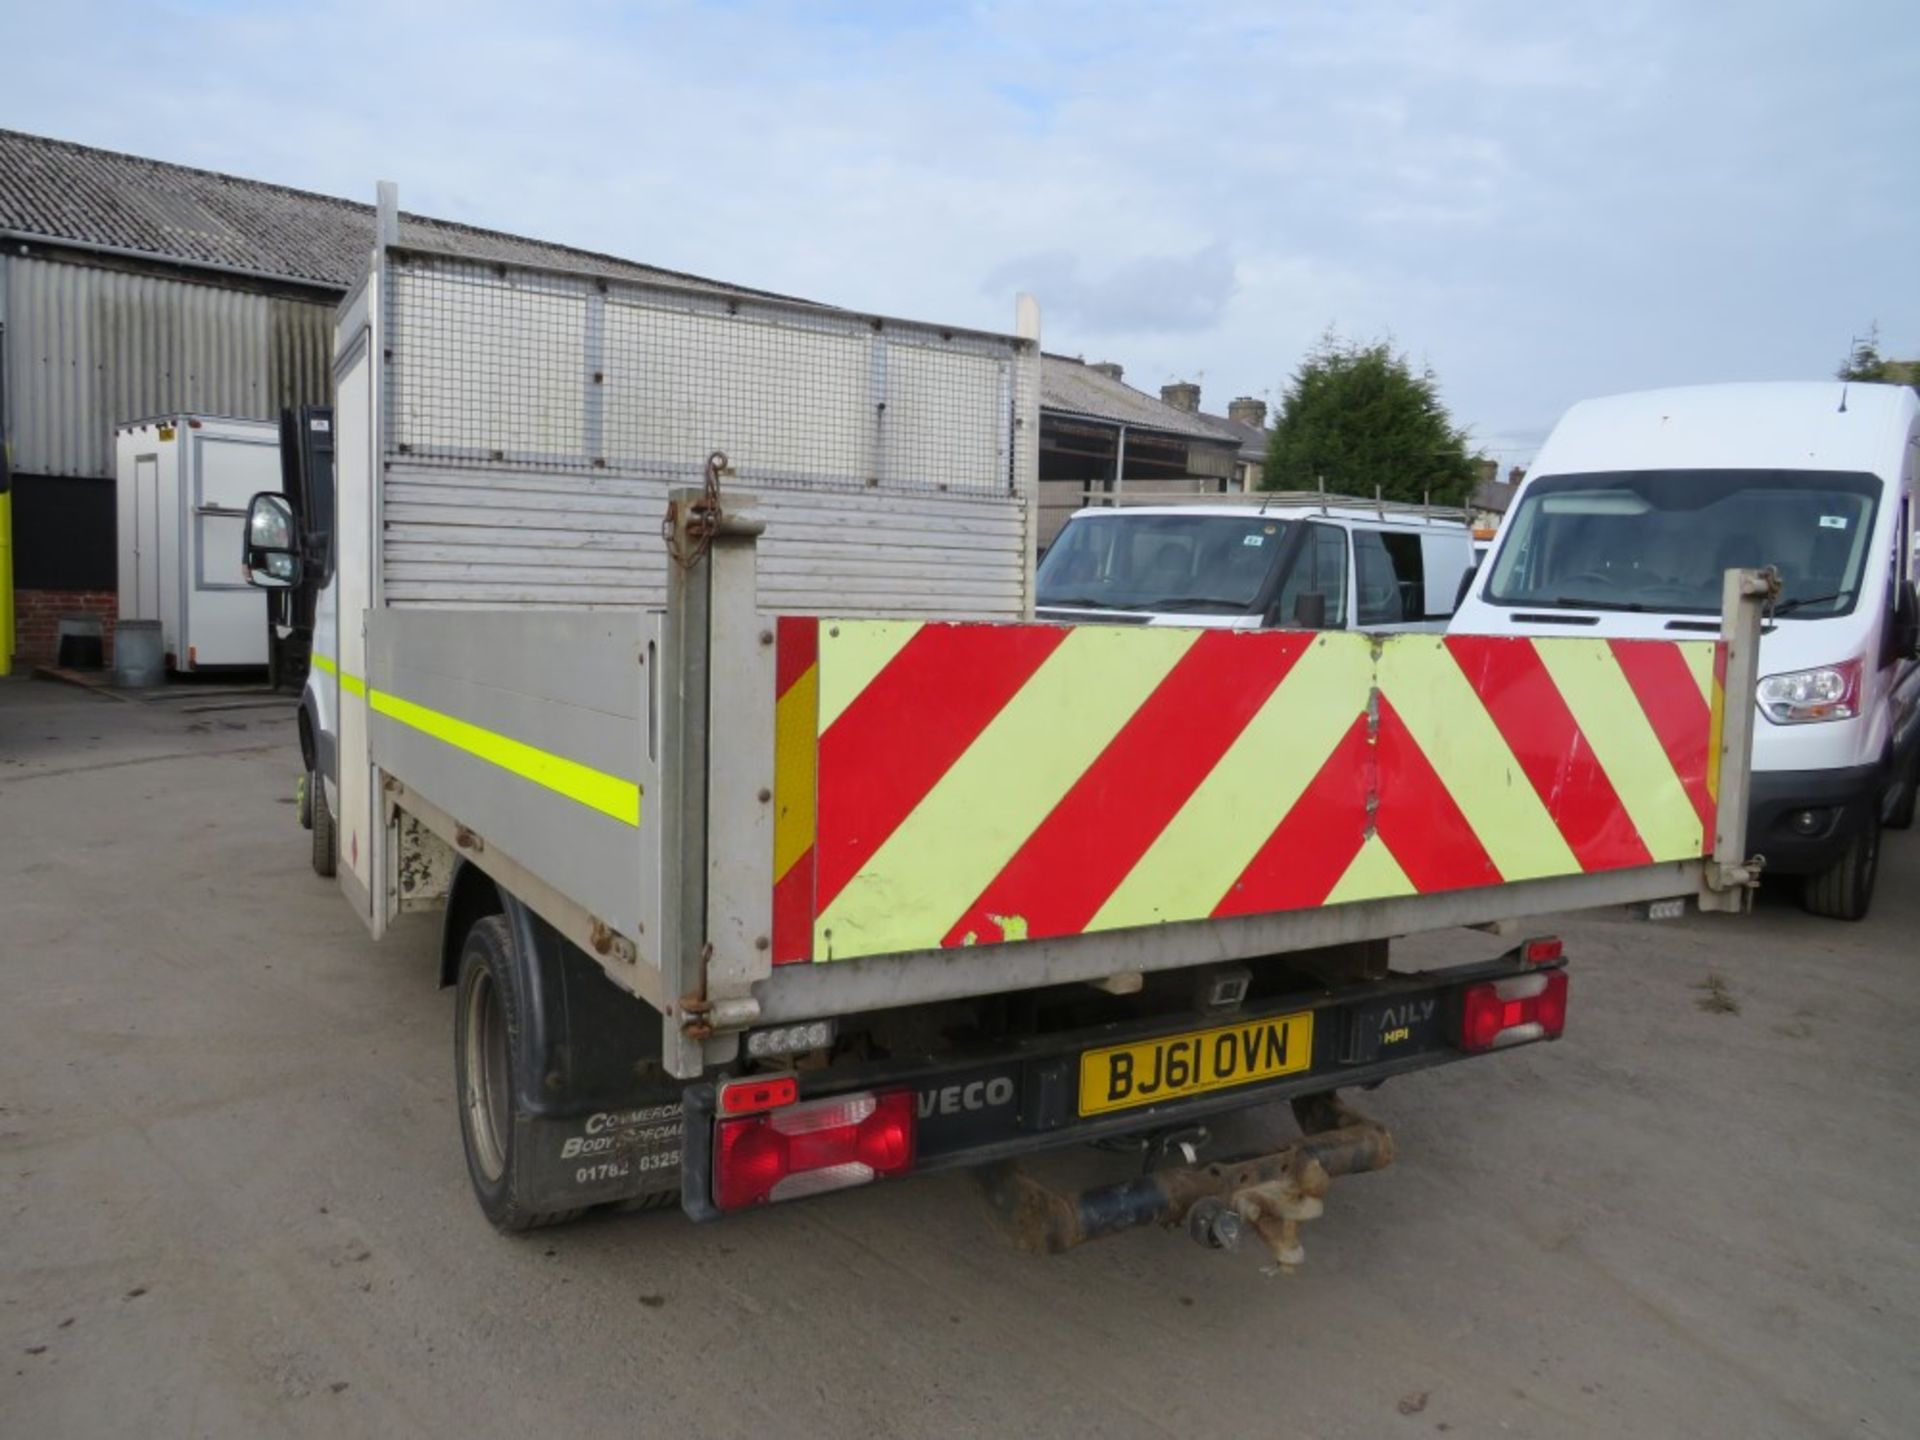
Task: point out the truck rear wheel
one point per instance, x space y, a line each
1844 890
485 1044
324 847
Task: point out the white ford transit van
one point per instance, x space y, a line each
1638 503
1325 564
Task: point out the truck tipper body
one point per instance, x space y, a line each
683 660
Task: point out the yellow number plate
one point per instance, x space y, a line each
1175 1066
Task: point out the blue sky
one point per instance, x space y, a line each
1540 200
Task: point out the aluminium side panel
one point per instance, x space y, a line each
460 538
538 732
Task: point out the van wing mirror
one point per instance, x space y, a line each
272 558
1906 620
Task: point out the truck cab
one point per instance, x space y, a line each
1636 506
1324 564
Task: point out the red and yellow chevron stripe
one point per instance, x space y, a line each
962 784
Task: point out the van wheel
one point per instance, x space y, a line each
485 1035
1901 816
325 849
1844 890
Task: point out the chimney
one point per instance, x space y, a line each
1108 368
1182 395
1516 475
1249 411
1489 471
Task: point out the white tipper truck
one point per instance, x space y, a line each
680 651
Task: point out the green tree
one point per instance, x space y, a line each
1864 361
1359 416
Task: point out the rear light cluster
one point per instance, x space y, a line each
1509 1012
798 1149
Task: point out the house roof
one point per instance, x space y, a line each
1253 438
1073 387
58 191
1494 495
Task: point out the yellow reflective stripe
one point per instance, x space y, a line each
352 684
1450 724
597 790
1589 679
991 800
796 753
1373 875
1229 816
851 655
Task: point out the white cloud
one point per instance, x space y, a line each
1545 201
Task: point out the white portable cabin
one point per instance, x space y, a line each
184 483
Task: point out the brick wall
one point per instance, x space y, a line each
37 615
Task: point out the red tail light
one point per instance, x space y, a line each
807 1149
1509 1012
1542 951
742 1097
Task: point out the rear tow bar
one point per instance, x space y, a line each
1270 1194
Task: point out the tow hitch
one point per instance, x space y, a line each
1218 1203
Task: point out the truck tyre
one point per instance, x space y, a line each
485 1043
1844 890
303 800
325 850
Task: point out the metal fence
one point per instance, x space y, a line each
505 368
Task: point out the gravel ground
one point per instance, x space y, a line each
234 1202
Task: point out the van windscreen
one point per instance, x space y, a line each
1202 564
1660 540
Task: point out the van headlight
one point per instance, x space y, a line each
1800 697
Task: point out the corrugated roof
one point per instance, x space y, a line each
57 190
1075 388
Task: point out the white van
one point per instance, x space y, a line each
1333 564
1638 503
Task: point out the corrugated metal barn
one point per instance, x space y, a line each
131 288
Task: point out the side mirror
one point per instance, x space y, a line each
1310 610
272 559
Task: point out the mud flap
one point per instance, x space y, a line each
598 1119
569 1162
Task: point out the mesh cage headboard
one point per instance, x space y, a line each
513 368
